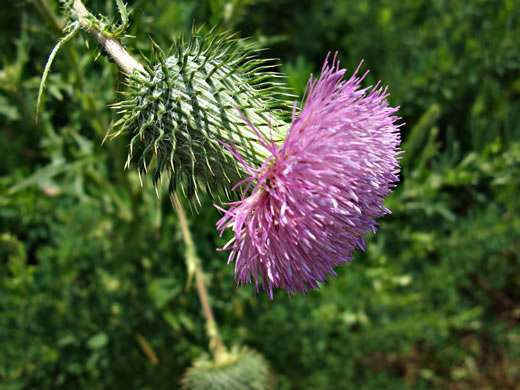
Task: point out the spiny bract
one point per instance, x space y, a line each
191 101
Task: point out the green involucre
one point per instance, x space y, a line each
240 369
190 102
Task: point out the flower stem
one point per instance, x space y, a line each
216 344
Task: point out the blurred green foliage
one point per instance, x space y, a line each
92 274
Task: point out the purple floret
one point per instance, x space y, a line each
321 191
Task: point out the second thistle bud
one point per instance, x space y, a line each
191 101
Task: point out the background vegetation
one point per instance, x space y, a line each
92 273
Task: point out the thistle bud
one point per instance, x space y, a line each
239 369
189 102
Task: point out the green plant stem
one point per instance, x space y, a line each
96 119
216 344
126 63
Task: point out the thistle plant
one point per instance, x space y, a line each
206 115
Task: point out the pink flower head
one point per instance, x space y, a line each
320 192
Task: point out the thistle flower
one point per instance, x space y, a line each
317 194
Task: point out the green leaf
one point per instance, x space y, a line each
97 341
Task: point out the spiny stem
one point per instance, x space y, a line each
126 63
216 344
